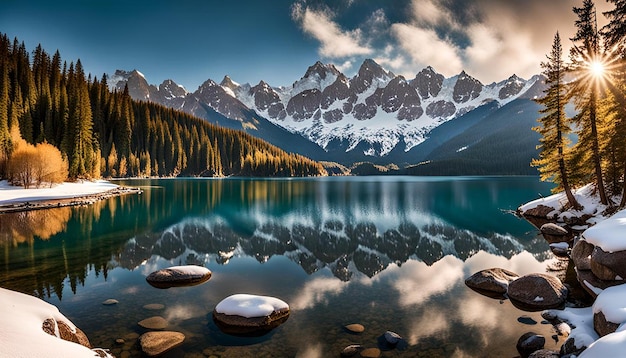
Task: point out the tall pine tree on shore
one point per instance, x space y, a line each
585 92
614 35
554 126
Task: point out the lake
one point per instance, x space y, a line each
390 253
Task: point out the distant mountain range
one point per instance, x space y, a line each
374 116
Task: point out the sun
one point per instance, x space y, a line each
597 68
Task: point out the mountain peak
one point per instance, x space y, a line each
229 83
321 70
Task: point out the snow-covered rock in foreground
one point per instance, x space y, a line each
21 334
17 194
610 234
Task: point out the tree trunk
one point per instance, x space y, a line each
596 149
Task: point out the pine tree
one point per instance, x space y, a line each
554 124
614 35
585 91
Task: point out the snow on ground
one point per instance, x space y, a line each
250 305
21 333
581 322
15 194
585 196
610 234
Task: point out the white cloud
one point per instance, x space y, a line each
346 65
425 48
316 291
334 41
428 13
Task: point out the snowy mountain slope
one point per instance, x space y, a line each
374 115
374 108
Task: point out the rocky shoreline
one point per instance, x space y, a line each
581 304
64 202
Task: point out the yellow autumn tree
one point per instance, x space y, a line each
50 167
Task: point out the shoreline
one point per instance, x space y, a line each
79 200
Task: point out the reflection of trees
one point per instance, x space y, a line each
23 227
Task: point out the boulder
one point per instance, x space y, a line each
155 323
554 233
592 284
178 276
65 332
157 343
530 342
250 315
491 282
538 215
615 261
602 326
544 353
536 292
602 272
581 254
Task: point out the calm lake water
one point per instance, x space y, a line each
390 253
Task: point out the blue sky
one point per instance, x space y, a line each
191 41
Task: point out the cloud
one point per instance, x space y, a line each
316 291
334 41
426 48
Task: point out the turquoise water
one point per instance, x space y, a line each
390 253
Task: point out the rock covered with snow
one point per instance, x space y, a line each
177 276
535 292
493 280
30 327
245 314
609 310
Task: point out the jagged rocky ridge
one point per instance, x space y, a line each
375 111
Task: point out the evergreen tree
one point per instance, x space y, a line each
554 126
585 90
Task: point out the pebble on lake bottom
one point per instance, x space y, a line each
370 353
154 306
355 328
110 301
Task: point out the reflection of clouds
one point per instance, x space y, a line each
311 351
522 263
416 281
316 291
132 290
431 323
181 313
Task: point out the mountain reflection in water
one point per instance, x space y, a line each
388 252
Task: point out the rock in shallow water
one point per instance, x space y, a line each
392 338
156 343
250 315
179 276
110 301
355 328
156 322
530 342
351 350
536 292
493 280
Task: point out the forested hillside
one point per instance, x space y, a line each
104 133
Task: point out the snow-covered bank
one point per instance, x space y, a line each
605 234
10 194
21 333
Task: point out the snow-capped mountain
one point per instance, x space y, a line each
369 115
375 109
